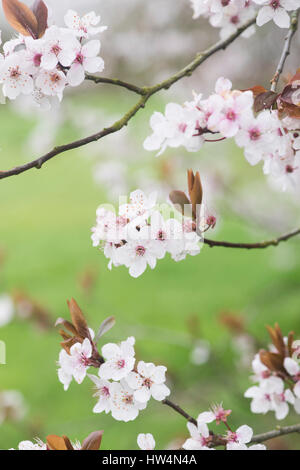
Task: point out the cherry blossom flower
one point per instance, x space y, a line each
146 441
75 364
276 10
293 368
140 251
124 407
241 436
270 396
175 128
217 414
200 438
139 205
86 60
59 46
51 82
149 380
15 75
84 27
29 445
119 360
102 393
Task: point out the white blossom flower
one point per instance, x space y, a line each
59 47
85 26
119 360
74 364
124 407
199 439
146 441
29 445
236 446
149 380
51 82
15 75
86 60
102 393
276 10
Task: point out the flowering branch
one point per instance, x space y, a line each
286 49
251 246
146 93
180 411
116 82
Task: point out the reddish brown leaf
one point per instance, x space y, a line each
67 325
256 90
180 199
195 191
20 17
93 441
78 320
56 443
264 101
40 11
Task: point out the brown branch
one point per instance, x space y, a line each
252 246
116 82
286 49
276 433
146 93
180 411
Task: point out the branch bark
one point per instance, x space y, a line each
252 246
286 49
145 92
276 433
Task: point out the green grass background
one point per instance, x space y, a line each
45 225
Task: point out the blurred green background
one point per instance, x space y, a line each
46 217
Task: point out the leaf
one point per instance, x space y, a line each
56 443
20 17
256 90
40 11
93 441
105 326
264 101
195 191
272 361
78 320
179 198
67 325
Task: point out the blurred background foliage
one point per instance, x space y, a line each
203 318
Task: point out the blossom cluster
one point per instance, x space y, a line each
229 15
121 387
43 67
139 235
277 374
265 136
202 439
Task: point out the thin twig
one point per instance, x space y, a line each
276 433
252 246
180 411
116 82
286 49
146 93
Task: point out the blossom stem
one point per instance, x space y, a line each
286 49
251 246
145 92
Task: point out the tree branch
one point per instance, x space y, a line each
276 433
116 82
145 92
251 246
286 49
180 411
